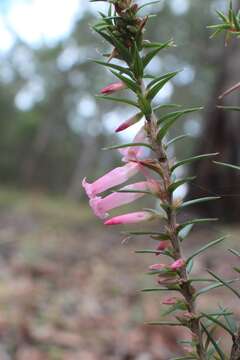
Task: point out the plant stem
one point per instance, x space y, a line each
186 289
235 353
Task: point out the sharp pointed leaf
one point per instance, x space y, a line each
224 283
191 159
120 100
198 201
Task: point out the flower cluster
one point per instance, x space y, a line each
132 157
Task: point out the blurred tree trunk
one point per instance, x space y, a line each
221 133
57 114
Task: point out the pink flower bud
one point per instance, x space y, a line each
163 245
131 121
112 88
131 218
178 264
157 267
188 315
167 280
170 301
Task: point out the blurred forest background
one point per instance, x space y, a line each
52 127
51 132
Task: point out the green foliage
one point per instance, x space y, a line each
230 23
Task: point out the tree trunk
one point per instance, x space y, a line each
221 133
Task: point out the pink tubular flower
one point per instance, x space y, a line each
102 206
113 178
131 218
153 185
178 264
170 301
112 88
131 121
157 267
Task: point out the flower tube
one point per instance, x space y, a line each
113 178
101 206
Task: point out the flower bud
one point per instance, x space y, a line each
112 88
157 267
131 121
178 264
131 218
163 245
170 301
167 280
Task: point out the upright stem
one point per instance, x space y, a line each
186 289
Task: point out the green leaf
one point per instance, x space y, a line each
148 252
133 192
122 146
165 323
137 63
218 322
160 78
201 280
234 108
161 236
147 4
234 252
224 283
212 287
122 69
183 233
191 159
120 100
104 35
145 105
222 16
230 321
177 138
154 90
198 201
190 266
180 182
185 358
147 58
177 114
220 313
215 33
235 167
129 83
206 247
219 26
212 341
166 106
160 289
196 221
235 21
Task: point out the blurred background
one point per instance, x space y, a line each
69 289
